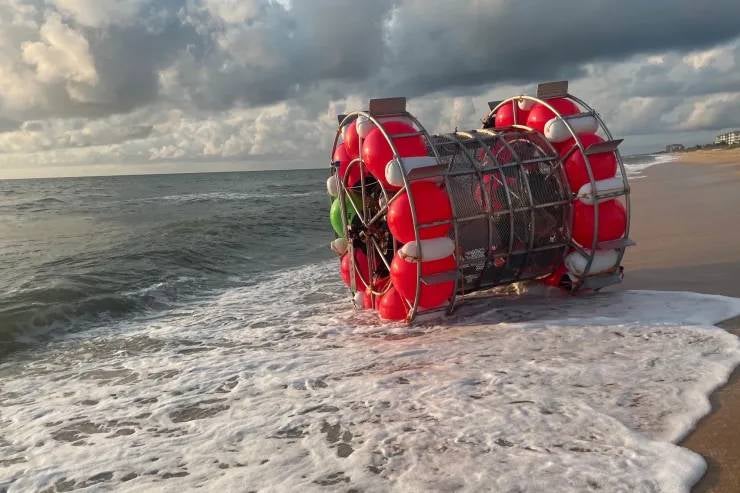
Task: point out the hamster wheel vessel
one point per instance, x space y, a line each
424 221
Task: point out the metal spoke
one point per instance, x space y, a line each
380 252
383 210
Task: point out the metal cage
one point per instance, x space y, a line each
512 208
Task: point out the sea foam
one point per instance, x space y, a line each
636 165
279 386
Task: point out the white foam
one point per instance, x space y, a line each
280 386
635 170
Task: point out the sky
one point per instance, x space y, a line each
96 87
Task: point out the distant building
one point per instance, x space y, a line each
729 138
674 148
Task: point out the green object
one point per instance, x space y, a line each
335 213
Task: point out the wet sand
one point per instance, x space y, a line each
686 222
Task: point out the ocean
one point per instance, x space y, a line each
169 333
76 252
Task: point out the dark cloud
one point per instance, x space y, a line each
438 44
282 54
217 79
405 47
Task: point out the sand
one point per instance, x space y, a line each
686 222
710 156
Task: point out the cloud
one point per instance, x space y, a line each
63 54
233 11
436 44
99 13
119 81
34 136
278 53
718 110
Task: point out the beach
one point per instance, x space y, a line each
684 220
710 156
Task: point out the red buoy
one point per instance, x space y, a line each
432 205
612 222
505 115
367 300
540 114
352 140
361 269
404 273
376 152
392 307
603 164
378 286
340 154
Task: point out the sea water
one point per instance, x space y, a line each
169 333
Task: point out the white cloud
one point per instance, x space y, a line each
716 110
63 54
720 57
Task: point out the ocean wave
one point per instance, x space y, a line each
31 315
226 196
37 205
280 382
76 292
635 165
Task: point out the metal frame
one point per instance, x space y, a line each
393 112
483 140
550 90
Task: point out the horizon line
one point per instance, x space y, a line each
203 172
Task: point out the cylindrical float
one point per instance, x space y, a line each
441 217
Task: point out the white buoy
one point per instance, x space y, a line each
434 249
604 260
609 185
339 246
364 126
394 175
360 300
525 104
332 187
556 130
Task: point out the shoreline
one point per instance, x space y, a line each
686 241
715 436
